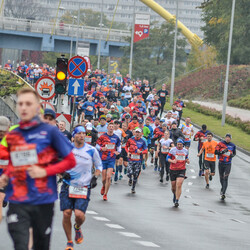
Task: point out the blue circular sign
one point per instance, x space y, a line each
77 67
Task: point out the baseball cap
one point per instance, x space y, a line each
140 121
109 116
179 97
139 101
135 117
89 126
164 125
127 116
122 94
170 111
4 123
228 135
50 112
103 117
162 120
174 122
112 106
154 90
138 130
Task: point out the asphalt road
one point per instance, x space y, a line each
148 220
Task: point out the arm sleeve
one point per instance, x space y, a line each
67 163
97 160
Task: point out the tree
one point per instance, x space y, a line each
152 57
28 9
217 17
201 58
89 17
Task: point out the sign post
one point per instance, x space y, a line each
45 88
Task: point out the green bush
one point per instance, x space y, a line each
243 102
237 122
8 84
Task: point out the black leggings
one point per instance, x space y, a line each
22 217
201 160
224 171
164 165
162 108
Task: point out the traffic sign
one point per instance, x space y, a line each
45 87
77 67
47 105
76 87
64 117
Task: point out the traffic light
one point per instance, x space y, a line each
61 75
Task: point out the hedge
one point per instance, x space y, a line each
236 122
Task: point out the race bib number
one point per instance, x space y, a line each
162 95
187 136
203 140
155 108
88 139
180 157
31 77
110 146
210 155
227 153
164 150
78 192
146 89
100 134
23 155
90 108
156 142
135 157
101 109
178 108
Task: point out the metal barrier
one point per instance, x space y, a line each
69 30
5 110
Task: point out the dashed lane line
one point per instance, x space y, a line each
131 235
147 244
100 218
91 212
115 226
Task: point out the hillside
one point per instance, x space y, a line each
207 84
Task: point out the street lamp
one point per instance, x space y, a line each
99 43
71 41
174 56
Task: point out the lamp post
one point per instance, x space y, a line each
132 44
99 43
174 56
228 64
71 41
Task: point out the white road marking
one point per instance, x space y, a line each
132 235
192 170
116 226
147 244
193 177
91 212
187 190
188 196
100 218
238 221
190 183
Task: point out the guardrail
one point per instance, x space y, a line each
85 32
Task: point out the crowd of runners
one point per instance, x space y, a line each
121 129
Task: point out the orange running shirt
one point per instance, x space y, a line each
209 148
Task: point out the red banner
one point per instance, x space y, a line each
142 26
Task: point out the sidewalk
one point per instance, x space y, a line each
243 114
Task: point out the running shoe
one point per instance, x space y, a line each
167 178
105 198
130 182
174 198
223 197
78 236
207 186
116 177
155 169
143 166
102 190
210 177
161 180
176 204
120 177
70 245
200 172
133 191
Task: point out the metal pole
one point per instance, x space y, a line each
72 117
99 43
71 41
174 56
228 64
132 44
77 35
